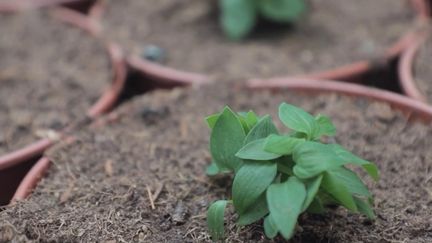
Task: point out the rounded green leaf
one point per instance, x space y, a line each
297 119
364 208
339 191
238 17
255 212
312 187
285 201
283 145
347 156
262 129
211 120
226 139
270 228
326 127
255 151
313 158
215 219
282 10
250 182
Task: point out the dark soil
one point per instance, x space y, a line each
422 69
332 33
97 188
50 74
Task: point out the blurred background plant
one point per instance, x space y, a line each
238 17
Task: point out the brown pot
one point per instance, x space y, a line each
20 5
345 73
406 65
413 109
12 164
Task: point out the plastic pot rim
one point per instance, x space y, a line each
168 74
107 99
406 68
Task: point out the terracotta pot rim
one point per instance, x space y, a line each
344 72
103 104
412 108
22 5
406 69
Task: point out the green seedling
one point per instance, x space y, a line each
280 176
238 17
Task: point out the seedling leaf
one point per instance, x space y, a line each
252 118
283 145
251 180
255 151
352 182
285 202
313 158
255 212
226 139
369 167
297 119
282 10
211 120
213 169
364 208
262 129
312 186
270 228
325 125
340 192
215 219
238 17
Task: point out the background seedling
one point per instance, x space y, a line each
280 176
238 17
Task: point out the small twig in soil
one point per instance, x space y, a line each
67 194
150 197
158 191
108 167
199 216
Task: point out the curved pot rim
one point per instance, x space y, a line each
411 108
344 72
21 5
107 99
406 69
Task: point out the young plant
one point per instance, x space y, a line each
238 17
280 176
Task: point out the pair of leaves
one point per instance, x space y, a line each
285 202
313 158
302 122
253 178
239 16
228 135
348 189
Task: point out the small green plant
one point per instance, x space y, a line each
278 177
238 17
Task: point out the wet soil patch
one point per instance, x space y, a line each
142 177
332 33
50 74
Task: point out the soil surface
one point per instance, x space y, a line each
50 74
98 187
422 69
332 33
